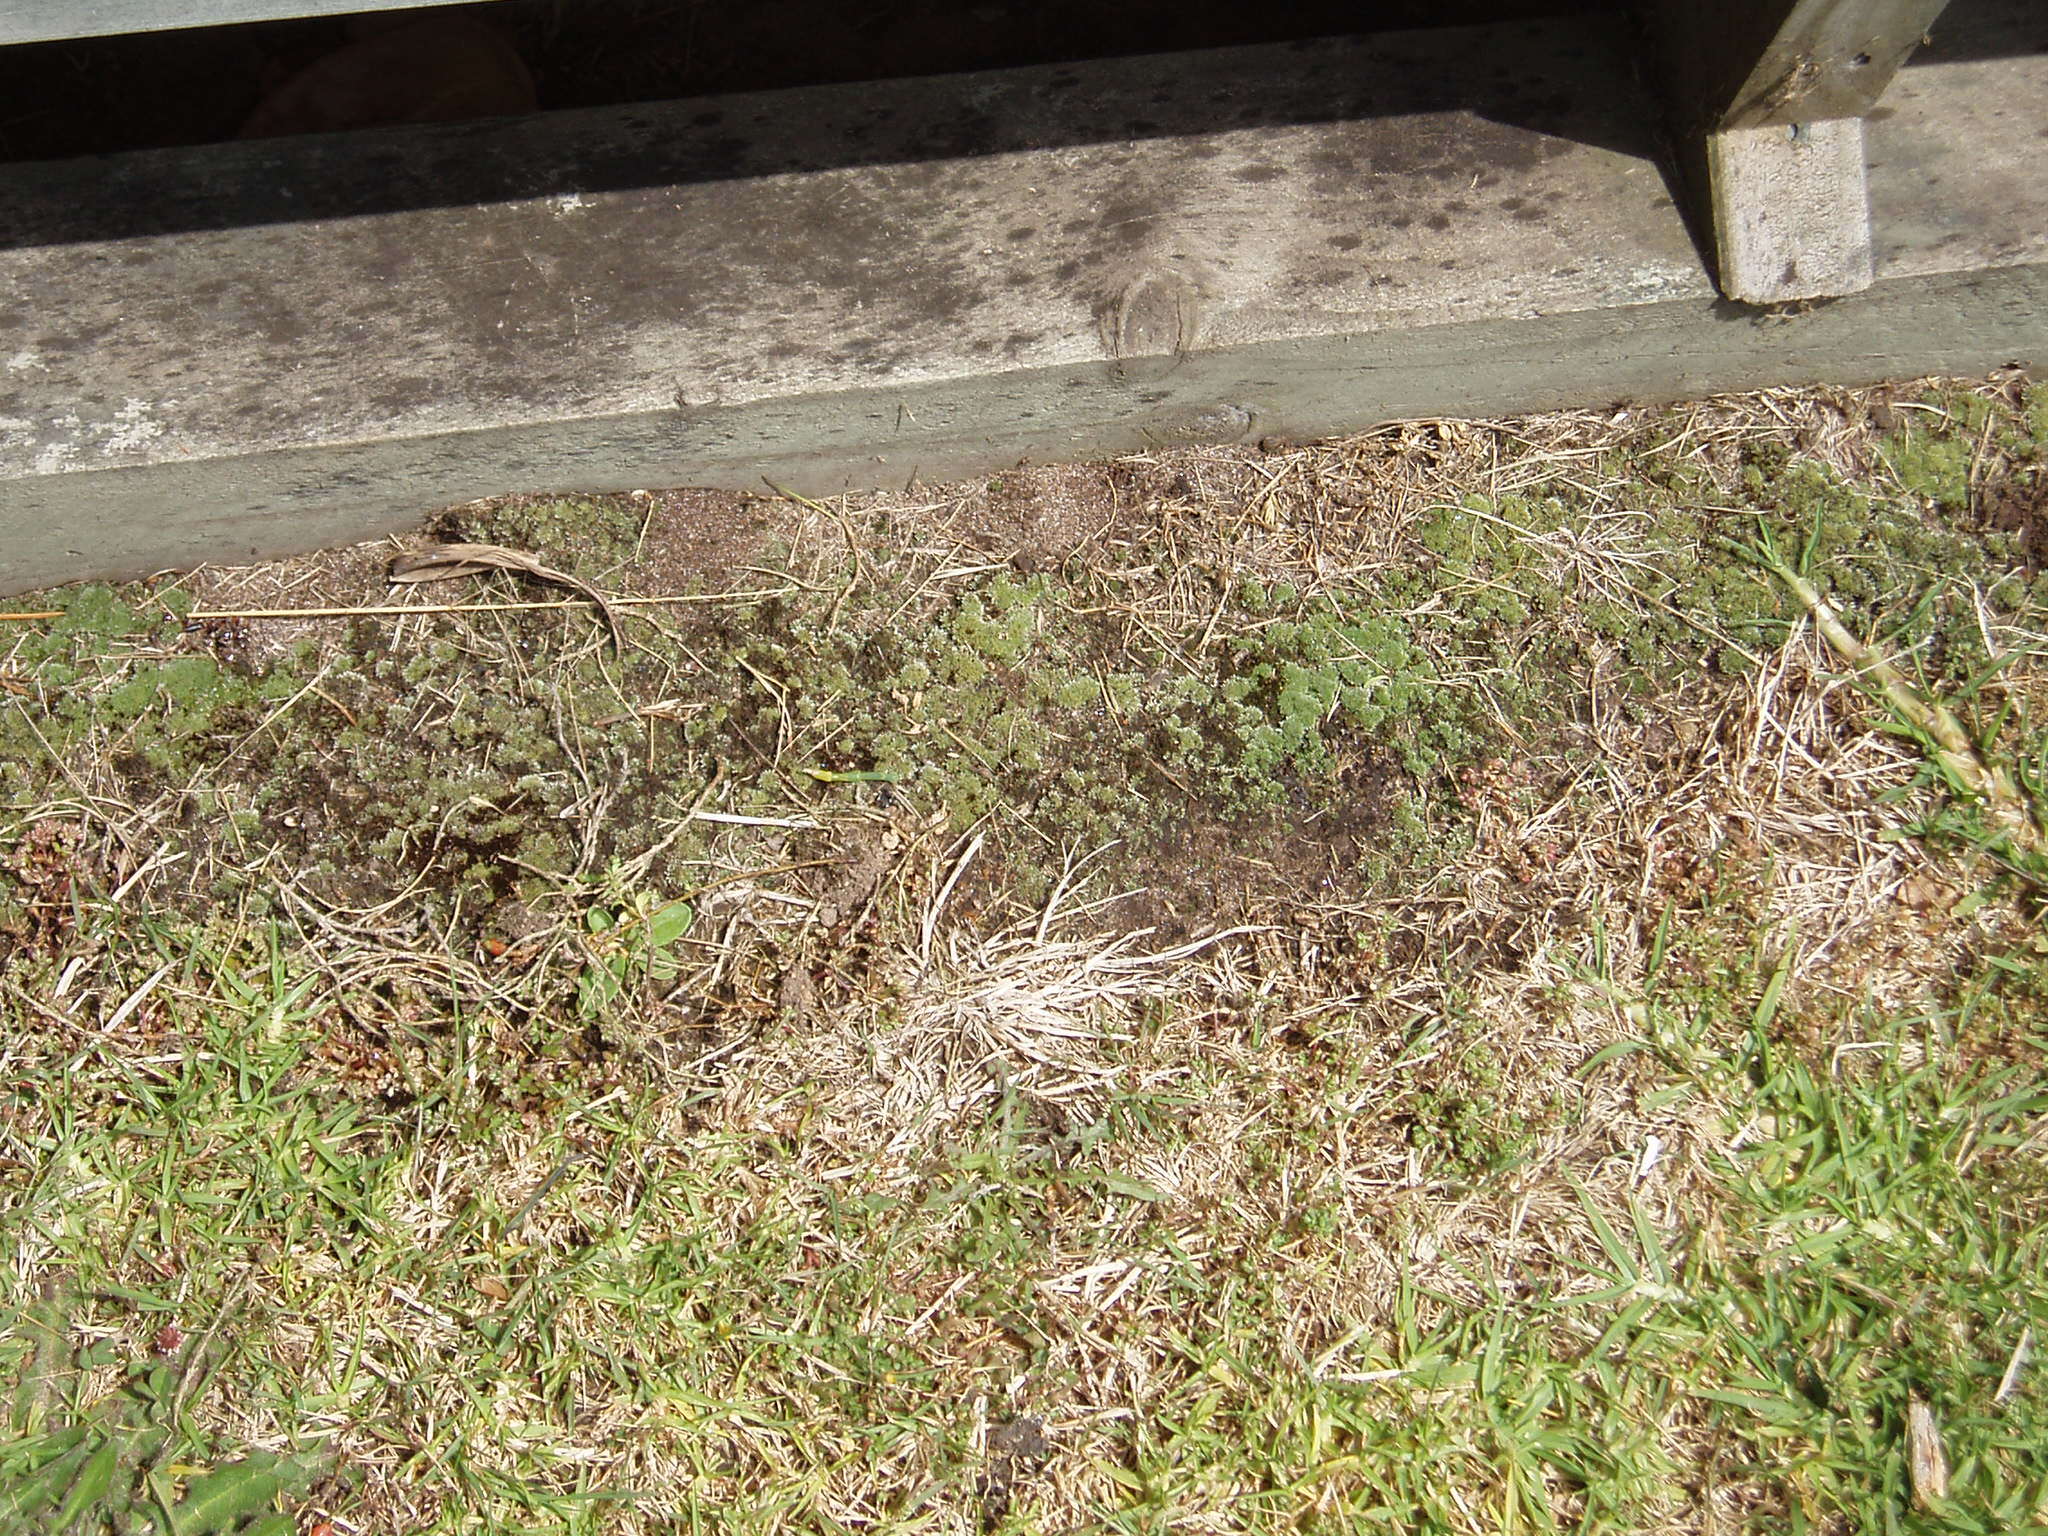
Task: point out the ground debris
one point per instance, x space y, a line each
1232 990
448 562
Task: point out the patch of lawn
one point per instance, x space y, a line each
1396 986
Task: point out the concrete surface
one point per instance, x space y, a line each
854 286
40 21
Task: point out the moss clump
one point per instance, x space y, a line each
125 682
1931 465
1301 687
590 536
998 624
1938 452
94 621
452 772
1187 705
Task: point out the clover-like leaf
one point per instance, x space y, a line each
666 924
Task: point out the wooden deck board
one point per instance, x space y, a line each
856 285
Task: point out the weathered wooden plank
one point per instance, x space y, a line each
1765 99
170 515
41 21
1751 63
668 302
1791 211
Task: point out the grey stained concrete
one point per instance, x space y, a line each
260 348
37 21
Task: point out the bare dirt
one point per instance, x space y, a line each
2016 502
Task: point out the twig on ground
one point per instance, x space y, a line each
1949 744
447 562
382 610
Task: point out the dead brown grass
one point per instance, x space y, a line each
1384 1092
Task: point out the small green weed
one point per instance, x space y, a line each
125 1462
628 944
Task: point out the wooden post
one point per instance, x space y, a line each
1768 99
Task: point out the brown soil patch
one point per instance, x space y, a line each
1041 515
699 538
2017 502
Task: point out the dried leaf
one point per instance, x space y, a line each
493 1287
447 562
2010 1381
1926 1460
